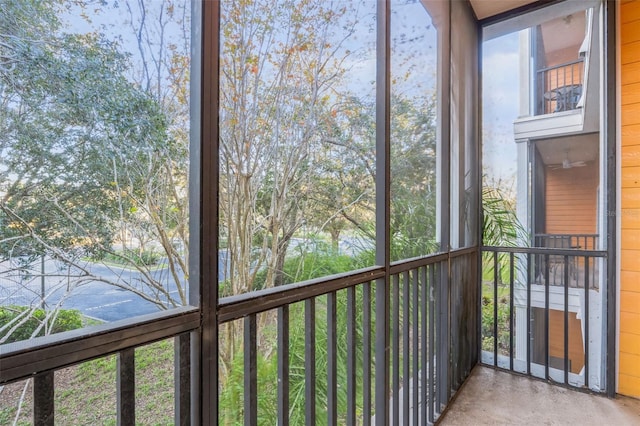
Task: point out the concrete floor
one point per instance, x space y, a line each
491 397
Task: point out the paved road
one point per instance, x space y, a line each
95 299
101 300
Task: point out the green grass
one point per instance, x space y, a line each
7 414
86 394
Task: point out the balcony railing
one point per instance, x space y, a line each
393 342
567 241
558 88
350 372
41 359
557 266
538 324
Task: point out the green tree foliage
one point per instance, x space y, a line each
500 227
500 224
88 155
282 70
413 177
413 173
68 126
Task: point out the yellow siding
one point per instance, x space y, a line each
629 73
629 322
631 133
632 283
633 94
629 14
631 240
628 385
631 200
629 360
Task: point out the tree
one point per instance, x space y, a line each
88 155
282 74
413 176
281 67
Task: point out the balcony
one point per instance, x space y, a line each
542 322
558 88
391 343
566 266
366 349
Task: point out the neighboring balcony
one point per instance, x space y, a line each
559 88
573 270
542 311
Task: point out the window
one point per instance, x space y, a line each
297 141
94 110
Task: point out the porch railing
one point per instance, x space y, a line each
576 268
25 360
375 346
558 88
370 348
567 241
540 325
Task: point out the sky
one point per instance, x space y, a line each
113 20
411 32
500 105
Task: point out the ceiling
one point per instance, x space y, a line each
487 8
573 148
563 32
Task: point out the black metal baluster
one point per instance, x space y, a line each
250 372
283 366
433 341
586 321
382 353
558 98
351 356
495 308
395 350
182 379
126 387
332 361
424 389
566 319
406 353
416 345
529 271
511 316
43 399
546 316
310 360
366 355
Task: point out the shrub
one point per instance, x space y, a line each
503 325
65 320
128 256
309 266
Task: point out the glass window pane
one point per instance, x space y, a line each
544 168
297 141
541 142
414 145
94 143
500 103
